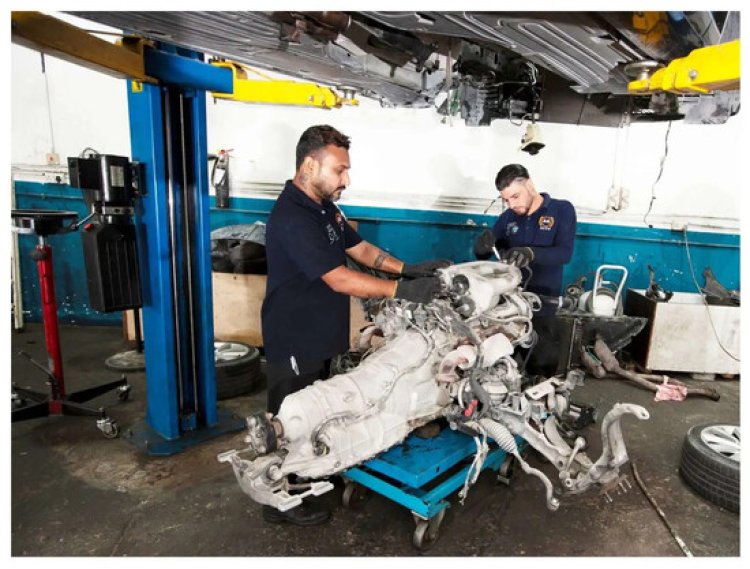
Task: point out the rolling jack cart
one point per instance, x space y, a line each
420 474
30 404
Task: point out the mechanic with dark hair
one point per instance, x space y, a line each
535 231
305 314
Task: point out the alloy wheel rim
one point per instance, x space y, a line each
724 440
229 351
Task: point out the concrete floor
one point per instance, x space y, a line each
75 493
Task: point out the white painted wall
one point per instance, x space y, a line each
405 158
85 108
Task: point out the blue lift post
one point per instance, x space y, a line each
420 474
168 136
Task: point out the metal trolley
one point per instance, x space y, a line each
420 474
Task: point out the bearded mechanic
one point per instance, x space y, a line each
535 232
305 313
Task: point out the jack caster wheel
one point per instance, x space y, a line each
109 428
427 531
354 495
123 392
505 472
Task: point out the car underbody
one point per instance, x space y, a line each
563 67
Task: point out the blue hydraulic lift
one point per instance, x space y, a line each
168 136
167 89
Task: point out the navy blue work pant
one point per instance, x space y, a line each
283 379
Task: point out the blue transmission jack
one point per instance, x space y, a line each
421 473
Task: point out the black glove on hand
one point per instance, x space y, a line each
418 290
484 243
518 256
425 269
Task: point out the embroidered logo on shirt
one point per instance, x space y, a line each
511 228
332 235
546 222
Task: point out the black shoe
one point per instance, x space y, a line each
306 514
428 431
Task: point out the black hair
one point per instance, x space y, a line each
318 137
508 174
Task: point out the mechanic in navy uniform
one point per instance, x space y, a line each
305 314
535 232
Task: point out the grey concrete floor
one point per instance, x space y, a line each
75 493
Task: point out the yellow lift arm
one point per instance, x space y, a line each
55 37
712 68
278 92
60 39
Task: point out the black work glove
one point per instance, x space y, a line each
424 269
518 256
484 243
418 290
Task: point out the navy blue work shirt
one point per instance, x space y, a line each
301 315
550 232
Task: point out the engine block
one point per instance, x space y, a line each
452 358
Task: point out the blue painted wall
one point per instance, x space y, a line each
411 235
71 288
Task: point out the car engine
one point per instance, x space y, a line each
452 359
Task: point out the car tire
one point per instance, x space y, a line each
237 369
710 463
221 264
246 250
251 267
220 261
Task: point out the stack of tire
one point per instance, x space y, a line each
238 256
237 369
239 249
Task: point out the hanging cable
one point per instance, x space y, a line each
703 298
49 106
489 206
519 123
88 152
615 197
449 80
661 171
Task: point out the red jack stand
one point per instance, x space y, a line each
30 404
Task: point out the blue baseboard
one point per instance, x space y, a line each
409 234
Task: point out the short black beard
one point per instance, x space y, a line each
318 192
330 197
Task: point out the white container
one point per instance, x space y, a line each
679 336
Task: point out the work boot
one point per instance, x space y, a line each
431 430
306 514
428 431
